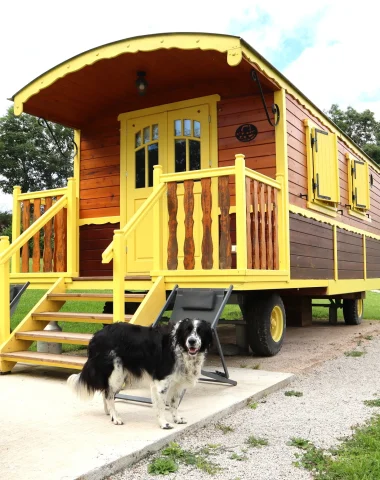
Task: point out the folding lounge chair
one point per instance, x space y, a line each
205 304
15 294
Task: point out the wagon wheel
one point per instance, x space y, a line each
266 322
353 310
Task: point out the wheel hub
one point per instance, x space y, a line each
276 323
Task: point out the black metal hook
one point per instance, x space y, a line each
275 107
44 123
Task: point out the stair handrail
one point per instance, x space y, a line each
6 252
135 220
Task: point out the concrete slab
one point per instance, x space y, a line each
46 433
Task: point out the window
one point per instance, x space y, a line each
146 155
322 166
358 185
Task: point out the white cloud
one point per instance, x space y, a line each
5 202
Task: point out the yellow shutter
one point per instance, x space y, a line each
360 183
325 164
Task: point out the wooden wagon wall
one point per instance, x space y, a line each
100 164
296 114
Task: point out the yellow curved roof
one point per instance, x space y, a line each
146 43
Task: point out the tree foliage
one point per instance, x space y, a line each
29 156
362 127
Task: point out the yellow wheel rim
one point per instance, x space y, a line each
360 307
276 323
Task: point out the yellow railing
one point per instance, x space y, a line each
216 245
12 251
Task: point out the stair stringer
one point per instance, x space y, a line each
12 344
151 306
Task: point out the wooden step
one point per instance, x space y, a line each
51 359
105 318
93 297
56 337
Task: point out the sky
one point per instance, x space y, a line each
328 49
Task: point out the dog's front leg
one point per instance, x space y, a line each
159 390
173 399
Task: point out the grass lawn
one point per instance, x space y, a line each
231 312
357 458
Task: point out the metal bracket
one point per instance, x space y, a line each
43 123
275 107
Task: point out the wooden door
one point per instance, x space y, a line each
146 147
189 149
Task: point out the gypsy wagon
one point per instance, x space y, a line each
196 164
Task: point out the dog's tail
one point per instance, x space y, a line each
79 387
84 384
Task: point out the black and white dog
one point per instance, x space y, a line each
120 353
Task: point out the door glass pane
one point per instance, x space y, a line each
177 128
140 168
152 160
187 128
195 154
146 134
155 132
180 155
138 139
197 129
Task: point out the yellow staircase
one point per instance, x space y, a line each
31 329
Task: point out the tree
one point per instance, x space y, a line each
30 157
362 127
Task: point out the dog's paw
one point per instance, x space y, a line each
180 421
166 426
117 420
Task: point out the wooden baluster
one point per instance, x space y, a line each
248 184
255 226
262 228
48 252
189 247
225 258
172 212
269 229
59 241
275 231
25 225
36 237
207 246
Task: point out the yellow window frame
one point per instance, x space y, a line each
358 186
322 167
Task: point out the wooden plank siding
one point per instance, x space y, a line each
297 160
350 255
373 258
311 249
93 240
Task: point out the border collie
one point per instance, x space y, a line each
120 353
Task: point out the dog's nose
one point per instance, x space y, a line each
192 342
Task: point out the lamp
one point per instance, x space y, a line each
141 83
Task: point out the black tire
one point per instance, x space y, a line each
266 323
353 311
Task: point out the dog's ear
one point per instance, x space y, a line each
207 335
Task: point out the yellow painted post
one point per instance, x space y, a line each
157 222
282 177
72 227
335 238
5 316
77 190
365 257
16 227
118 276
241 213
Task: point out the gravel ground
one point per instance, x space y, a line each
332 403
